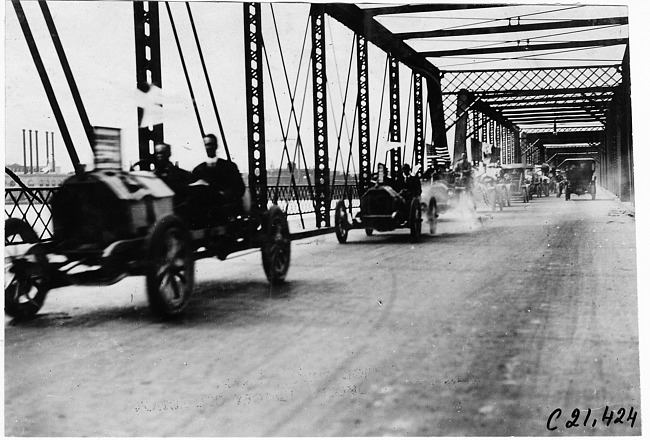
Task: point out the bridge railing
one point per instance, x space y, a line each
35 207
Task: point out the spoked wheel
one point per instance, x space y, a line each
432 216
592 191
170 276
415 220
26 273
276 251
341 223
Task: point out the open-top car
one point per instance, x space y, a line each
579 177
384 209
109 224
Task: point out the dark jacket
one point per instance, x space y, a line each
223 177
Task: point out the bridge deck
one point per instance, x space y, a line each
484 329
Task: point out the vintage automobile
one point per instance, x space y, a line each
108 224
514 177
579 177
493 188
540 181
384 209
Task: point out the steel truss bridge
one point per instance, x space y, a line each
532 114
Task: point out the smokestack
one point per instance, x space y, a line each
24 153
38 168
47 148
53 165
31 156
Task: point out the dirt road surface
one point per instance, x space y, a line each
488 328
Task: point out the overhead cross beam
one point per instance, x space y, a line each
524 48
614 21
363 24
412 9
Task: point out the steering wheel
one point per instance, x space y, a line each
143 165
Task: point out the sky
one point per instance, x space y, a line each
98 38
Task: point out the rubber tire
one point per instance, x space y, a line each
567 193
341 222
179 277
369 231
13 306
507 197
432 216
415 220
276 251
592 190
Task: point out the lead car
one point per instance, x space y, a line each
112 224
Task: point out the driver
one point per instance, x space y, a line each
408 184
176 178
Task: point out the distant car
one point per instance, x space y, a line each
580 178
514 176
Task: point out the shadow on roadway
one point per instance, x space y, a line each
213 302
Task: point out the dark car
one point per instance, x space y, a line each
109 224
384 209
579 177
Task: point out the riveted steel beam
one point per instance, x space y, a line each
255 102
148 67
394 129
364 114
514 28
418 119
524 48
319 81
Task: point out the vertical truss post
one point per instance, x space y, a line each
625 122
418 118
516 150
255 102
364 117
395 162
148 67
437 113
394 131
319 80
460 139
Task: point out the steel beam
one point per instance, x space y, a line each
524 48
364 115
394 130
364 25
436 114
47 85
514 28
418 119
255 102
412 9
148 67
319 81
460 140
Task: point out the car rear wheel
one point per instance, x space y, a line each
592 191
276 251
170 275
415 220
567 193
341 222
26 274
432 216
